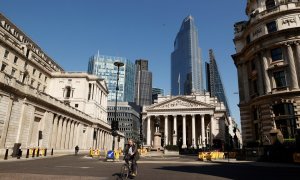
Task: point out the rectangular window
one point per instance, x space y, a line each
38 86
32 81
6 54
248 40
16 60
33 72
280 79
3 67
40 75
45 78
276 54
283 109
271 26
13 71
76 105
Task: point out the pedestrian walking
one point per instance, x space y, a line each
76 150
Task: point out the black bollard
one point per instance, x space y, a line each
27 154
45 154
38 152
6 154
33 152
52 152
19 154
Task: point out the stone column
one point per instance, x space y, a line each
293 74
298 59
166 130
246 82
63 137
148 131
240 82
54 132
59 134
259 76
265 73
76 131
211 129
66 145
203 131
71 135
175 130
184 131
193 131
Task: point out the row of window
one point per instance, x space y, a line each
285 120
119 114
24 78
118 108
15 61
271 27
279 78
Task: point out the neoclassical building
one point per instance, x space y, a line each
43 106
268 63
188 121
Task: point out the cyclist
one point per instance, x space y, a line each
131 154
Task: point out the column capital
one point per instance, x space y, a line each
288 44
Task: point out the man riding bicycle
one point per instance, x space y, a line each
131 154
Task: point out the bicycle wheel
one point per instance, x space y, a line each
124 171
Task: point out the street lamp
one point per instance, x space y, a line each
114 123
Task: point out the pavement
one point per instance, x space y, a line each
165 168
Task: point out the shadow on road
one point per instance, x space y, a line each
234 171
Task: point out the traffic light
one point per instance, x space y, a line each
141 136
114 125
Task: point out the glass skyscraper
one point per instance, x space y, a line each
103 67
186 65
143 83
214 82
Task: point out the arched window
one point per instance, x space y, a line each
68 92
270 4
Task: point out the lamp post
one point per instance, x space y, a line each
114 123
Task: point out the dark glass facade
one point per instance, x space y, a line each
214 82
186 63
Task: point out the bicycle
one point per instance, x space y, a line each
126 170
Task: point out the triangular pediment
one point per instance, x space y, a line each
180 103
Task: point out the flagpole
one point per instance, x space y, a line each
179 83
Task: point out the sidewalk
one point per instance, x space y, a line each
254 163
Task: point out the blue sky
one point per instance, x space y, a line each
70 31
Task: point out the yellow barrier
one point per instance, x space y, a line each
117 155
202 156
143 151
94 152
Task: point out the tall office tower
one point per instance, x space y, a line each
213 81
186 67
103 66
143 83
267 61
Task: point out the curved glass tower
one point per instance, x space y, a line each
186 65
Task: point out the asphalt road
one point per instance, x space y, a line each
183 168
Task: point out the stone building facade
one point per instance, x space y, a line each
128 116
29 112
268 64
192 121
